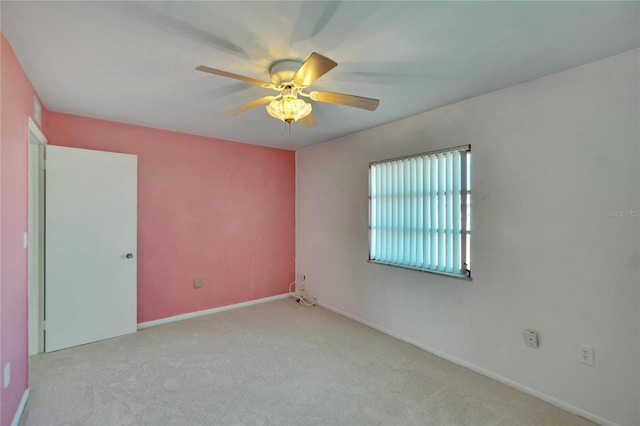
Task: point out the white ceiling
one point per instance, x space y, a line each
133 62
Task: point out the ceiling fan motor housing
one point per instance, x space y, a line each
282 72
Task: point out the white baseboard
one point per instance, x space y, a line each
209 311
20 410
550 399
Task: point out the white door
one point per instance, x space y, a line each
90 246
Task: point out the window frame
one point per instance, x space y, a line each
465 207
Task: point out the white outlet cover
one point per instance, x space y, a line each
530 338
586 355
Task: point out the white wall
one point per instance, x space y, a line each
549 157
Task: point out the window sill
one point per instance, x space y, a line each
428 271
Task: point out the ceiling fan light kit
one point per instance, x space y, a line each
288 108
290 77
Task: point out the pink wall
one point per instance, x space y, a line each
16 105
210 209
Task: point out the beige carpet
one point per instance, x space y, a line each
276 363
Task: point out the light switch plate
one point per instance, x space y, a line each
7 375
197 283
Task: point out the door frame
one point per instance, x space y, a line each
34 238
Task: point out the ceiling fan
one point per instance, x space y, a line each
291 77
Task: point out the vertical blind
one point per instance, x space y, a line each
419 211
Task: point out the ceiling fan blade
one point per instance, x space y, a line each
235 76
167 17
348 100
313 68
320 12
308 122
254 103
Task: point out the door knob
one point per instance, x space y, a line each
129 256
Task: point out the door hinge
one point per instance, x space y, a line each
44 325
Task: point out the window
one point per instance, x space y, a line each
419 211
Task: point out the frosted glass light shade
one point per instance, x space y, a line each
288 109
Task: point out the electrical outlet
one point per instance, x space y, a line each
7 375
300 283
586 355
197 283
530 338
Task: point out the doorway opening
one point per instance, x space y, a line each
34 239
